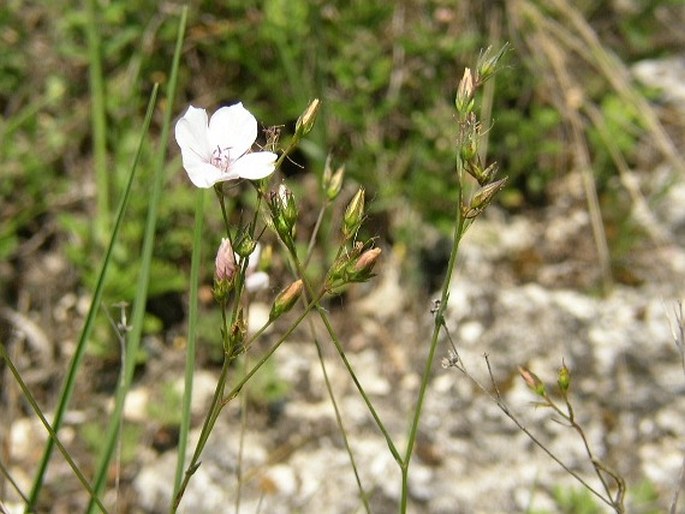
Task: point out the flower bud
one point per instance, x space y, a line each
288 203
464 100
245 246
483 196
225 261
354 215
564 378
489 64
284 213
532 381
236 335
335 184
286 299
306 120
364 265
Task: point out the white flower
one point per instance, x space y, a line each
218 149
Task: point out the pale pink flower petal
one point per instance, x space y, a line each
254 166
218 149
233 127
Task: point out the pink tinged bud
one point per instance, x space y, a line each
367 261
532 381
286 299
306 120
225 265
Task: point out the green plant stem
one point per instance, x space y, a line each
77 359
186 414
241 442
146 260
459 229
98 121
315 233
341 352
219 402
53 435
338 418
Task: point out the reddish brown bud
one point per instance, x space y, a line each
286 299
532 381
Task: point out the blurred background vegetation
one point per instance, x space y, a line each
386 72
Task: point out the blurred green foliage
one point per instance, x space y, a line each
386 72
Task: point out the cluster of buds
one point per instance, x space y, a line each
284 214
470 133
353 266
538 386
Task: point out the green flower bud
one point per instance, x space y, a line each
483 196
489 64
335 184
245 246
284 213
306 120
354 215
464 100
564 378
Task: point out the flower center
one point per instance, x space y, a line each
221 158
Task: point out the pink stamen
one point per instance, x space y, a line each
221 158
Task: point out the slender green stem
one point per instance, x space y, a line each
315 233
238 387
146 261
53 435
241 442
207 426
341 352
339 421
459 228
219 401
98 121
77 359
192 337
